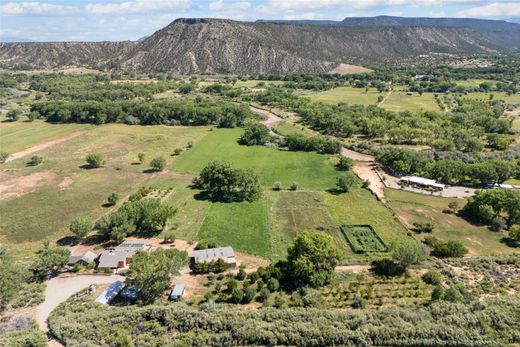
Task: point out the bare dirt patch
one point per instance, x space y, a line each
42 146
19 186
67 181
356 155
349 69
366 171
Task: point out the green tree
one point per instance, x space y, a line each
158 164
81 226
514 232
150 273
255 134
345 163
49 260
311 259
346 182
12 278
94 160
224 182
406 254
13 115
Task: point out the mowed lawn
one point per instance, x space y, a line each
44 199
399 102
310 170
348 95
412 207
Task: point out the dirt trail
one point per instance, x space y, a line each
271 119
356 155
387 94
42 146
366 171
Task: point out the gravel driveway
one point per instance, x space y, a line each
60 289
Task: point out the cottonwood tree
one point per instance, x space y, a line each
224 182
49 260
311 259
150 273
255 134
81 226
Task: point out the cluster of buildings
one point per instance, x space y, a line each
115 258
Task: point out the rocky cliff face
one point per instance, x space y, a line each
220 46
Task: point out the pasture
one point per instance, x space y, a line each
412 207
40 201
349 95
512 99
310 170
399 102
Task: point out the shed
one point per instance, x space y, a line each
422 182
111 292
177 292
82 259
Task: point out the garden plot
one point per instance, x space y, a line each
363 239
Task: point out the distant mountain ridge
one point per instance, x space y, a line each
189 45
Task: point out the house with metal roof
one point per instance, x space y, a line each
177 292
82 259
212 254
111 292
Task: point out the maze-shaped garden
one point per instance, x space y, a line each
363 239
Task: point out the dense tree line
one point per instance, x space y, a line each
486 206
447 171
320 144
171 112
96 87
442 323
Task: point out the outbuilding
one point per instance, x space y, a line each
213 254
177 292
421 182
83 259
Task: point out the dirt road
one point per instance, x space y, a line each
366 171
42 146
270 118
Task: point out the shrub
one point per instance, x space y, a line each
112 199
344 163
169 237
498 223
94 160
432 277
279 302
3 157
81 226
358 302
255 134
294 186
514 232
273 285
277 186
346 182
141 157
177 151
158 164
205 244
264 295
35 160
445 249
423 227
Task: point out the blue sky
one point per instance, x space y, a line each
94 20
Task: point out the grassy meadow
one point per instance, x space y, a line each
399 102
349 95
412 207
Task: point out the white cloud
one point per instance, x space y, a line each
138 6
34 8
220 5
504 9
362 4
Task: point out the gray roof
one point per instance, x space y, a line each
177 290
110 258
211 254
87 257
111 292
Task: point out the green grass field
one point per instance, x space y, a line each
310 170
361 207
349 95
413 207
399 102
